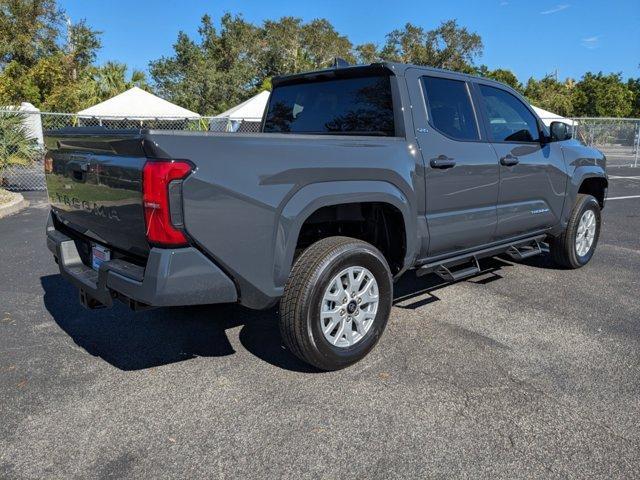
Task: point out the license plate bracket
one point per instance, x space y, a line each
99 255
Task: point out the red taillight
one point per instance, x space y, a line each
156 177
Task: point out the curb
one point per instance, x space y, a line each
14 206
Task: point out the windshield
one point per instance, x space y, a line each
344 106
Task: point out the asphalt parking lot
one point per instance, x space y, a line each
525 371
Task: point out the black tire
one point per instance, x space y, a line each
563 247
313 271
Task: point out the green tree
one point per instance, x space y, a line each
16 85
62 86
282 46
50 63
448 46
223 68
291 46
551 95
29 30
266 84
633 84
501 75
36 65
215 72
53 83
603 95
83 44
367 53
111 79
321 44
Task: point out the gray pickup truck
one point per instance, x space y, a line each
359 174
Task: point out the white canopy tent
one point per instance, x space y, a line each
249 111
32 122
548 117
137 104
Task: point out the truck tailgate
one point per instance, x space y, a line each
94 182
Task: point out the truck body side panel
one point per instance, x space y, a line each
233 202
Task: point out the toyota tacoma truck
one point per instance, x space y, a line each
359 174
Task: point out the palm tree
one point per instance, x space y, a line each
17 146
139 79
111 79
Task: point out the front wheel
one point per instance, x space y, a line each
576 245
336 302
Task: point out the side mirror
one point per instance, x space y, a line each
560 131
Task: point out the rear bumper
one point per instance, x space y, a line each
172 277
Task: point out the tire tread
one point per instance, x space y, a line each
561 245
298 287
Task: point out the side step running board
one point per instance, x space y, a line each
444 267
521 252
449 274
446 273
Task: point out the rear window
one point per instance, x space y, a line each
348 106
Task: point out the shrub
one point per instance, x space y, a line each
17 147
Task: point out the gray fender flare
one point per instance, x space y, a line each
317 195
579 175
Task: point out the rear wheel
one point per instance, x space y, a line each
336 302
576 245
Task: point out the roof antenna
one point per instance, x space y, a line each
340 63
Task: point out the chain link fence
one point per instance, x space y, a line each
617 138
28 173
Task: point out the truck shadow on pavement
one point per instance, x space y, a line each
138 340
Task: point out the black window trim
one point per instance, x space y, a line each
487 123
482 138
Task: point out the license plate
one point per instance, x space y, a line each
99 255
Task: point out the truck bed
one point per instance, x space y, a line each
233 202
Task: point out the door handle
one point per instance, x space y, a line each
442 161
509 160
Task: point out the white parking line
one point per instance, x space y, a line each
617 177
622 198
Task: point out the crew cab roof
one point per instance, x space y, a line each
393 68
350 71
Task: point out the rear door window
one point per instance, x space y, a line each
450 109
343 106
509 119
